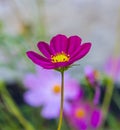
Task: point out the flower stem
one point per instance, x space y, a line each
107 98
62 101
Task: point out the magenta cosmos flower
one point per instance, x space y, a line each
84 116
61 52
45 91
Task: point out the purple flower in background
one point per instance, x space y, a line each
84 116
112 67
44 89
91 75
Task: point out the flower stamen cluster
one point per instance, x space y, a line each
60 57
56 89
80 113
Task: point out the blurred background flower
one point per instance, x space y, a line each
93 79
112 68
84 116
44 89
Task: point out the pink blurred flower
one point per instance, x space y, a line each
112 67
44 89
92 77
84 116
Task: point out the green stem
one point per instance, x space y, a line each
62 101
107 98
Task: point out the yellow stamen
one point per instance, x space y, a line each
60 57
56 89
80 113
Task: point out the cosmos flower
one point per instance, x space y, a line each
44 89
84 116
112 67
61 52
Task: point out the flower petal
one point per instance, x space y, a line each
39 60
28 79
33 98
45 49
50 111
41 73
59 43
96 118
81 53
74 43
73 86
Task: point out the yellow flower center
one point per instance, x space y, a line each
80 113
60 57
56 89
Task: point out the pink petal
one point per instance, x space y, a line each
112 67
74 43
75 52
50 111
83 51
41 72
45 49
73 86
33 98
96 118
39 60
59 43
29 80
